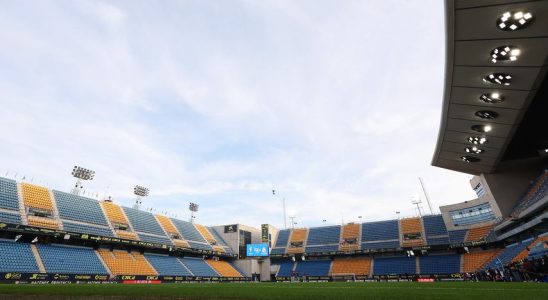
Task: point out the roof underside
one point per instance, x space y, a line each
471 34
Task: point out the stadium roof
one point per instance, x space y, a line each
496 61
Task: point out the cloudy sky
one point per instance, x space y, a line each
334 104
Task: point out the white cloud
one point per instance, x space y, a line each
335 105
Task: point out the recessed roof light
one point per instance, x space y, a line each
492 97
486 114
477 140
473 149
507 53
498 78
482 128
510 21
470 159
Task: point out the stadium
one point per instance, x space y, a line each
58 243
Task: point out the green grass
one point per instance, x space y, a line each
287 291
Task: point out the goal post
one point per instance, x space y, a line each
343 276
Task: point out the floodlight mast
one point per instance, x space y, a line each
139 191
81 174
193 207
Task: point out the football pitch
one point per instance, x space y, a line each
285 291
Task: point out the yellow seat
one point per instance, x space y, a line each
298 236
206 234
478 233
350 232
36 197
353 265
114 213
124 263
224 268
473 261
128 235
43 222
412 226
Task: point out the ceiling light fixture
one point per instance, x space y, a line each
482 128
505 53
470 159
510 21
477 140
498 78
492 97
473 149
486 114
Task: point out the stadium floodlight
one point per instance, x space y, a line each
482 128
486 114
498 78
477 140
505 53
139 191
193 207
510 21
492 97
473 149
469 159
81 174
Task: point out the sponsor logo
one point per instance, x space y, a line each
101 277
38 276
82 277
60 277
128 277
2 225
152 277
14 276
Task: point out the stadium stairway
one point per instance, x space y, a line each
224 268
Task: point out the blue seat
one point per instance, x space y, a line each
283 237
199 267
313 267
167 265
143 221
381 245
154 239
398 265
440 264
81 228
70 260
382 230
285 268
188 231
17 257
324 235
8 194
78 208
457 236
508 254
324 248
13 218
